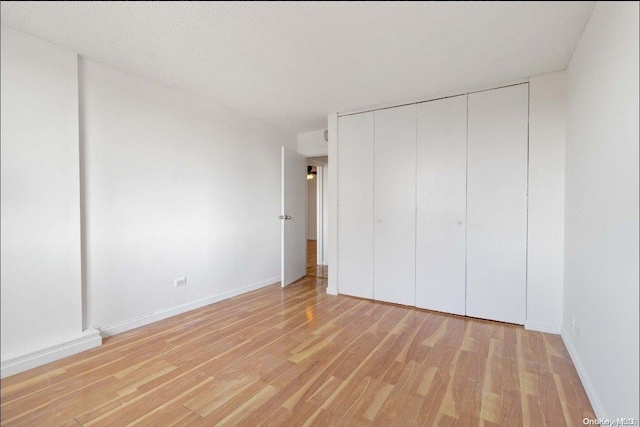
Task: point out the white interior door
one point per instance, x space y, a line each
355 205
395 205
497 204
441 204
293 217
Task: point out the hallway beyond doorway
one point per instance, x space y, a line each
313 269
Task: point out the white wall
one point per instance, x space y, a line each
312 144
156 185
601 210
41 264
175 186
547 135
312 208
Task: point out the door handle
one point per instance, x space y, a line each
284 217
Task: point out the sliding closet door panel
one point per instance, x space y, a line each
497 204
355 205
395 204
441 204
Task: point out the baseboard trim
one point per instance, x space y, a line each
332 291
179 309
84 341
584 377
542 327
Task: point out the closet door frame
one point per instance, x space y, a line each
394 205
497 176
441 204
355 205
474 269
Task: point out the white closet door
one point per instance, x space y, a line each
355 205
441 205
497 204
395 205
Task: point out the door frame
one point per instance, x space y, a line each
321 170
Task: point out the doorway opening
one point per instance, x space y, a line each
317 212
304 217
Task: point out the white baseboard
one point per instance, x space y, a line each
332 291
584 377
84 341
542 327
179 309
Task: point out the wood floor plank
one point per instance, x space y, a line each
297 356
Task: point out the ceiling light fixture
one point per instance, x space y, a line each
310 172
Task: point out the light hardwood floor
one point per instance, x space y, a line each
297 356
313 269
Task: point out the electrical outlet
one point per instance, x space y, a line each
575 326
180 281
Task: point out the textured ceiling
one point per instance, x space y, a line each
291 63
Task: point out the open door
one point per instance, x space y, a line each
293 216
